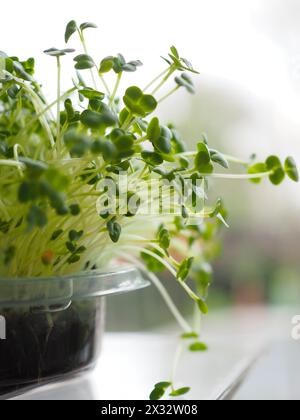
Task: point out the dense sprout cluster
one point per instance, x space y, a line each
53 157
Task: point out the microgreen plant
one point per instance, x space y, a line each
56 219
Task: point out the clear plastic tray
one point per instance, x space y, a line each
54 326
64 290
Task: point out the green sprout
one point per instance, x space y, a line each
53 171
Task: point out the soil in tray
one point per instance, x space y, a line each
41 346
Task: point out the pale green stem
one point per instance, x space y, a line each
169 94
165 79
197 320
141 140
177 357
112 98
3 207
229 158
127 122
105 84
37 105
58 143
82 39
241 176
12 163
153 255
235 160
156 79
47 109
164 293
42 96
91 70
61 98
153 243
189 291
231 176
16 156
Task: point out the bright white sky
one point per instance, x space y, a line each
227 39
238 41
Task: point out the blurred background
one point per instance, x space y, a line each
248 100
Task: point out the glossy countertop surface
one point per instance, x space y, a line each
251 356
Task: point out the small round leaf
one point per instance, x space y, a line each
291 169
